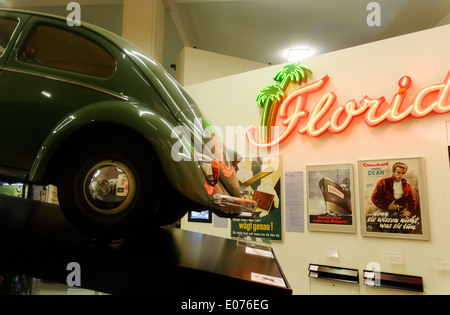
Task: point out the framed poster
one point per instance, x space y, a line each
330 198
393 198
260 179
204 216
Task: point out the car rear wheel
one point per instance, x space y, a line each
110 187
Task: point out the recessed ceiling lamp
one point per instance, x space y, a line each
297 54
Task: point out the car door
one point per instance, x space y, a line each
51 72
11 24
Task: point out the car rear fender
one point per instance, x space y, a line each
175 152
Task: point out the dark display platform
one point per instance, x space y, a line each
37 241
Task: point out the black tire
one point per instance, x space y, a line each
175 207
81 195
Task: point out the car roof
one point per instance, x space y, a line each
31 13
93 27
121 43
154 70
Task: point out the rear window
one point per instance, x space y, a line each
7 27
57 48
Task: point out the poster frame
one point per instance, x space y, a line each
416 178
312 198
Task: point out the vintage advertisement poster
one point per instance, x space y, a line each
393 198
260 179
330 198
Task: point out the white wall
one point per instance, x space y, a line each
374 70
195 66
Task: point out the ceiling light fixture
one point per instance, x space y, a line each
298 54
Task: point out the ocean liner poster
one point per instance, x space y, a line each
393 198
330 198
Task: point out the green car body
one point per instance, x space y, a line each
49 108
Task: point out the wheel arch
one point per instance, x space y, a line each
151 129
65 146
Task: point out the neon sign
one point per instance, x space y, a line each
326 117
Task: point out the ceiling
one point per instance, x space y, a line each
264 30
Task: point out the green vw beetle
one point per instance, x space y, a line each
85 110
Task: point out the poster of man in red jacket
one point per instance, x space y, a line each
393 198
394 193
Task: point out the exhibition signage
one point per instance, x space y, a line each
325 116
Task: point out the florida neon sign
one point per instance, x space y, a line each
325 116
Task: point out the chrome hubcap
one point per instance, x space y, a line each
109 187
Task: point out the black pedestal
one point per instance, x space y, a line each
37 241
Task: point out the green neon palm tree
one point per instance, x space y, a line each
294 72
266 99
